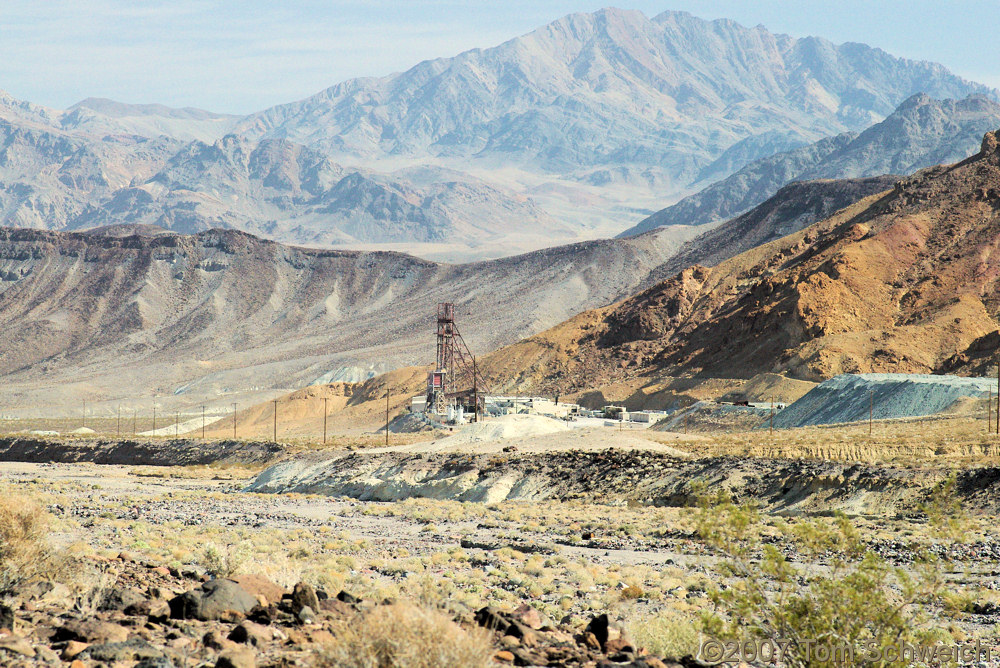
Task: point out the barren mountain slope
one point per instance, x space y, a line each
53 179
222 312
921 132
898 282
794 207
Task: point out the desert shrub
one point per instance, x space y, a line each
226 560
405 636
842 594
667 634
632 592
25 551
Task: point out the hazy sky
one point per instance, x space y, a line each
247 55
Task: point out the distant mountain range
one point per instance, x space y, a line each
571 131
922 132
614 88
136 310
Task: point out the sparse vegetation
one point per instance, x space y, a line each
226 560
406 636
841 593
25 551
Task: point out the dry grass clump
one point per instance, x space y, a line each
667 634
405 636
25 552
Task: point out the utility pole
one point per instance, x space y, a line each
325 400
770 429
135 421
275 439
177 419
234 420
119 432
154 418
84 413
203 423
387 415
871 410
475 388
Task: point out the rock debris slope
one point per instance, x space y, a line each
852 397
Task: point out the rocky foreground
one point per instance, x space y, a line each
152 616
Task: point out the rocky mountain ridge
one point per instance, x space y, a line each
902 281
921 132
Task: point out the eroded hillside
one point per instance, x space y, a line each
223 313
898 282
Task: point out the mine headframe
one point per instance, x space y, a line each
456 377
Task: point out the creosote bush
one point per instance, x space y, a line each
227 560
845 594
25 552
405 636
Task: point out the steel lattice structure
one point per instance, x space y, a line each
456 374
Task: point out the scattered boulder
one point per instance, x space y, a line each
977 609
306 615
530 617
17 645
73 649
134 649
156 609
304 596
91 631
345 597
120 598
599 626
492 619
158 662
249 633
258 585
237 658
212 601
214 640
6 618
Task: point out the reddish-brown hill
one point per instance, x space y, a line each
903 281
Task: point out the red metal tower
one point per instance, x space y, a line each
455 369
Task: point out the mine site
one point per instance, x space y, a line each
562 337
